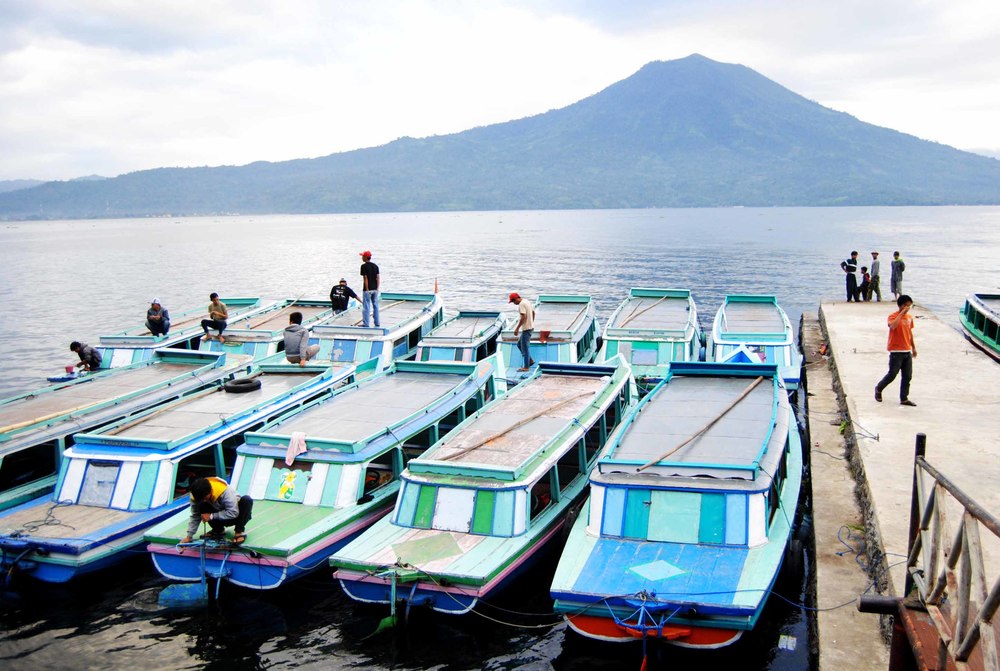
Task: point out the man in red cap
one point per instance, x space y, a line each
370 279
525 324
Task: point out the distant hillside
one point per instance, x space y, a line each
16 184
686 133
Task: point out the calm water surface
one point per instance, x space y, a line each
74 280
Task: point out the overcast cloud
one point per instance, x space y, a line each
112 86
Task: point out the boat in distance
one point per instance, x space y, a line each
751 328
980 317
691 511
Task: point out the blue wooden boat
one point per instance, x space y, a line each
262 333
566 331
691 508
358 439
115 483
480 506
405 318
137 344
980 317
651 329
754 329
469 336
37 426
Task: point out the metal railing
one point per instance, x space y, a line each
950 578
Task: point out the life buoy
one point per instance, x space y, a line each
242 385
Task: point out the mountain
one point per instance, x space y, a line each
17 184
686 133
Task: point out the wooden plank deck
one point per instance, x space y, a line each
555 316
392 313
61 521
753 318
670 313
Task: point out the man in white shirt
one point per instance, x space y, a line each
525 325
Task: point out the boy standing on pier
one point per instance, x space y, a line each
902 351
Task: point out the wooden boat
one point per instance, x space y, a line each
405 318
114 484
358 441
980 318
691 507
471 335
565 331
137 344
262 333
651 329
480 505
37 426
754 329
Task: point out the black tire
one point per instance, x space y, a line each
242 385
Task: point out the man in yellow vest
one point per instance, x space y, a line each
215 502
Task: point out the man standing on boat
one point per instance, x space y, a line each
157 318
297 347
370 279
218 313
873 287
90 358
850 267
341 294
896 279
525 324
902 351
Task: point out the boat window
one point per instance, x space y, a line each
454 509
343 349
399 347
201 464
453 419
644 357
593 441
541 495
288 483
99 483
414 337
569 468
444 354
418 443
991 330
28 465
380 471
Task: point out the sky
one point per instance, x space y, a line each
108 87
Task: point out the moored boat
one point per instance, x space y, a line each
565 331
356 442
754 329
405 318
471 335
261 334
980 317
37 426
651 329
137 344
691 509
115 483
479 507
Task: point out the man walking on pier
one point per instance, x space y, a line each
850 267
902 351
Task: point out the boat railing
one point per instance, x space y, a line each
945 568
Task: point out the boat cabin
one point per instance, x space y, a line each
466 337
565 331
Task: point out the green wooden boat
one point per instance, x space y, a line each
479 507
980 319
566 331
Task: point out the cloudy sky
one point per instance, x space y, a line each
111 86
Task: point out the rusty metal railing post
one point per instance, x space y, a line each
919 451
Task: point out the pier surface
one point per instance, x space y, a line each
864 477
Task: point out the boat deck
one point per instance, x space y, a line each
368 409
654 314
753 318
277 320
54 521
392 313
991 302
684 406
83 395
556 316
185 417
511 431
462 327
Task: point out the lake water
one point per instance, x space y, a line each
73 280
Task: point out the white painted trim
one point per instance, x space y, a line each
128 474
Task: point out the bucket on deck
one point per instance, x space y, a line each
70 368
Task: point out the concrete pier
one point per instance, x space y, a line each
863 477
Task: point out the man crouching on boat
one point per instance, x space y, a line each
215 502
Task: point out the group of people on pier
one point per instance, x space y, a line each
871 277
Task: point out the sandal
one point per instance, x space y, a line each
238 539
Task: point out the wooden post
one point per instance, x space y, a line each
919 450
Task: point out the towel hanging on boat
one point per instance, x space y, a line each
296 446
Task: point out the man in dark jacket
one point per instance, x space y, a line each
340 295
850 267
90 358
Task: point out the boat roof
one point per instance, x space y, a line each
654 311
510 438
467 328
989 303
110 388
749 316
183 323
396 310
270 322
668 428
563 313
349 420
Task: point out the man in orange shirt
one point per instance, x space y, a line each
902 351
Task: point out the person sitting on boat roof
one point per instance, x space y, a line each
297 347
340 295
218 313
157 318
525 324
90 358
215 502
